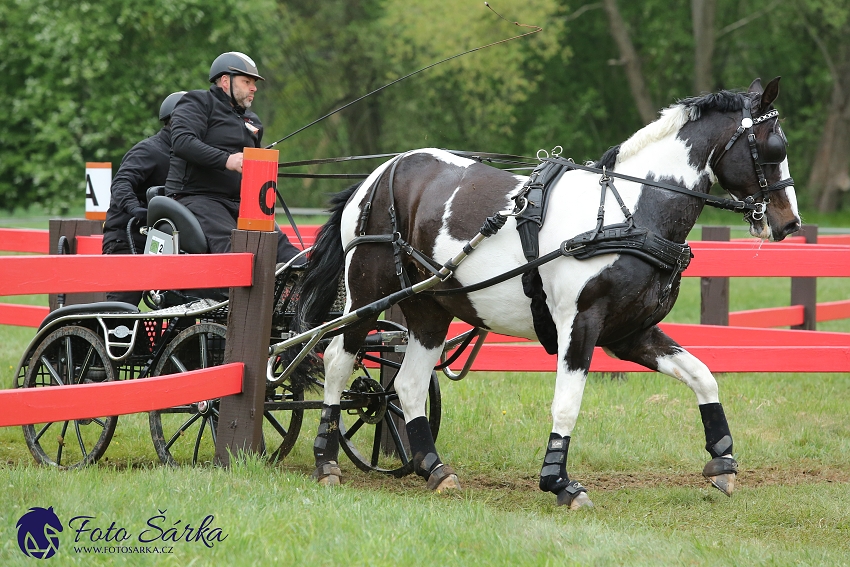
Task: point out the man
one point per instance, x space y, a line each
144 166
209 131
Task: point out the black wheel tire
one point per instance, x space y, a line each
69 355
382 446
186 435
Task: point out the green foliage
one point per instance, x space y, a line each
86 79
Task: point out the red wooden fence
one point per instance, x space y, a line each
82 401
47 274
749 256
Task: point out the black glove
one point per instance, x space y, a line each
141 215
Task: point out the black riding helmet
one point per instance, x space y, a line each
167 106
233 63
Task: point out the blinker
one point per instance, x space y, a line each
772 150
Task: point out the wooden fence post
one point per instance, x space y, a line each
714 292
249 323
804 291
70 229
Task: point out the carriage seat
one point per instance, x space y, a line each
155 191
89 308
192 238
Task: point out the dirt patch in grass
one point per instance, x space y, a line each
755 478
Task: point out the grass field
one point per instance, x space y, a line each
638 447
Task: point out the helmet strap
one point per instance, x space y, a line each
232 98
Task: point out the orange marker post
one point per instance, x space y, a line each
98 189
259 181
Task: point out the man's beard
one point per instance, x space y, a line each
241 97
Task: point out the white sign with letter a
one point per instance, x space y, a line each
98 183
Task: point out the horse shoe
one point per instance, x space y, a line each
722 472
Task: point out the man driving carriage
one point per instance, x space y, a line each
144 166
210 128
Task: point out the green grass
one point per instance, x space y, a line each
638 447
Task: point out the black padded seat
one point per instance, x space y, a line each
87 308
192 238
157 190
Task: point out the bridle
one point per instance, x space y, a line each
773 152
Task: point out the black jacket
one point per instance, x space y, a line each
145 165
205 130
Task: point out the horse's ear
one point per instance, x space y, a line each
755 87
769 95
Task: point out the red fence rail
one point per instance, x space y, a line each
83 401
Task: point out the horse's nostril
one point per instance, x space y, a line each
790 228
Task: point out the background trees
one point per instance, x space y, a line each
84 81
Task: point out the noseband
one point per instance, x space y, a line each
773 153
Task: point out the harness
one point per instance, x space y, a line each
620 238
774 152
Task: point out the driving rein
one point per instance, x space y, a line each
620 238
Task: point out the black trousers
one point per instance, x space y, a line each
217 218
121 247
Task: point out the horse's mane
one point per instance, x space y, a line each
671 120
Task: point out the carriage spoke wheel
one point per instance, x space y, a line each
69 355
186 435
281 421
373 434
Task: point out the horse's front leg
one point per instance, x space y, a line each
654 349
573 363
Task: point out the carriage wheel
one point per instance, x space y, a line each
186 434
69 355
373 435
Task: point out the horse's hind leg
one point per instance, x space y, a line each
340 358
654 349
428 327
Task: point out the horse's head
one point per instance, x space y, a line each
750 161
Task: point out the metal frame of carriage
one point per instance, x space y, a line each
106 341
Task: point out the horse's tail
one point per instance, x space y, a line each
327 260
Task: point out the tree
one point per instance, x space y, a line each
828 24
86 79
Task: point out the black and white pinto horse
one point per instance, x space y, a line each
611 300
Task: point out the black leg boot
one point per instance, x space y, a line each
554 478
426 461
722 469
326 447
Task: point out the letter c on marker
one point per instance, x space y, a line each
263 192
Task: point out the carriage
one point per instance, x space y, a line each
572 255
186 330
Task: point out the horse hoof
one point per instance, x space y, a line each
328 474
330 480
451 482
443 478
722 472
725 483
577 502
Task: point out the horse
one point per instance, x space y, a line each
436 201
